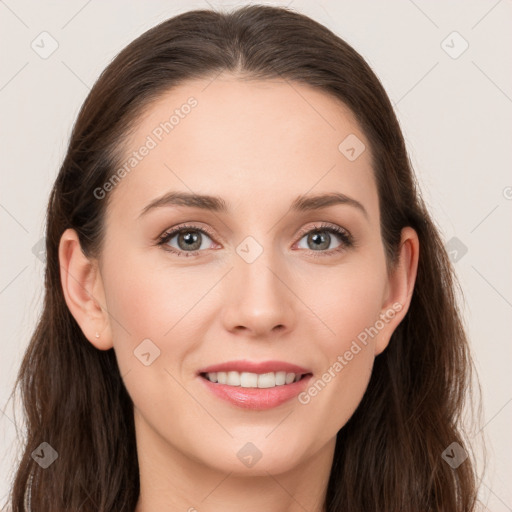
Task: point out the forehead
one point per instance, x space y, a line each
252 142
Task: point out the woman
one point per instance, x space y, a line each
247 303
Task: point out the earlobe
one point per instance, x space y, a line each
82 287
400 287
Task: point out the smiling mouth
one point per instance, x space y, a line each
254 380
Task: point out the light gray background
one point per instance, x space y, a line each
455 114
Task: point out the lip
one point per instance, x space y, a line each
257 399
255 367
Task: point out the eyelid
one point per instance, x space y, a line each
325 226
345 236
172 232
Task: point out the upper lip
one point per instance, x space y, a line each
255 367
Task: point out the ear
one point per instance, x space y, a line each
83 291
399 288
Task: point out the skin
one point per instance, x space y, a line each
258 145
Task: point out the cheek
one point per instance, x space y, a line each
151 302
154 328
347 299
150 298
169 305
333 396
349 304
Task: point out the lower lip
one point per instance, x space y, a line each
257 399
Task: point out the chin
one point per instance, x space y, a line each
248 458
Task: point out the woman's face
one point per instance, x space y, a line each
248 279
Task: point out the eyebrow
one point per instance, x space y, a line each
302 203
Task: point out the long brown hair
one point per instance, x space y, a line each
388 457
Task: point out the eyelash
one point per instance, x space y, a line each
345 236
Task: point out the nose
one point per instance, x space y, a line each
259 301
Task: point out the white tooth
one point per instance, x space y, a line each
253 380
248 380
233 379
266 380
280 378
289 378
